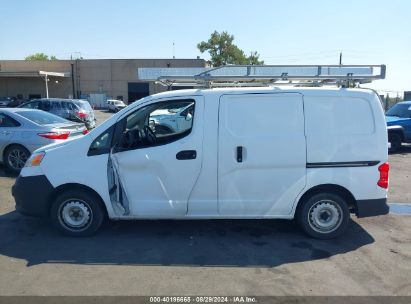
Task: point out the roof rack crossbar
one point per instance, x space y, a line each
244 75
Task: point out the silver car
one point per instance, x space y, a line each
24 130
72 109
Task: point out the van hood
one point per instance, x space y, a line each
391 120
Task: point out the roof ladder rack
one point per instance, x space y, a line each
264 75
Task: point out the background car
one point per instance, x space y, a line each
24 130
172 119
8 102
72 109
399 124
115 105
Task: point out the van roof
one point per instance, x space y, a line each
251 90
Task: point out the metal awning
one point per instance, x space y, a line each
34 74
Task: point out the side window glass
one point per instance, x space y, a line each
56 105
158 124
45 105
32 105
102 144
7 122
67 105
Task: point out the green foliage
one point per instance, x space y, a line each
40 57
223 51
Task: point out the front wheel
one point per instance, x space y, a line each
77 213
324 215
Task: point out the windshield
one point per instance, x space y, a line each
41 117
400 110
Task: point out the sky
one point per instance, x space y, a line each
282 32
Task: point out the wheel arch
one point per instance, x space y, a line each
396 130
73 186
329 188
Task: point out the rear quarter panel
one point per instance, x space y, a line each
346 126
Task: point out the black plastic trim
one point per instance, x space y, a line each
367 163
32 195
372 207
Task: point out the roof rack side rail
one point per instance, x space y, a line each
261 75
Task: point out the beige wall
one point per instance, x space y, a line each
109 76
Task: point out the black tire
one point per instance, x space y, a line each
395 140
11 156
72 205
320 210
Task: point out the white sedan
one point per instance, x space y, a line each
115 105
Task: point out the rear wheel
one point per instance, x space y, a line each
77 213
395 140
323 215
15 158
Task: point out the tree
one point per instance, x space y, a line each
40 57
223 51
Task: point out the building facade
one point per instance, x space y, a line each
93 79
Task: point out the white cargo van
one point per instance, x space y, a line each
314 154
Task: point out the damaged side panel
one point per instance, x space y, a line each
118 197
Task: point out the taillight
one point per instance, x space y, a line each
55 135
384 175
82 114
85 131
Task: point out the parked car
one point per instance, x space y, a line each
172 119
8 102
22 131
313 154
115 105
71 109
399 124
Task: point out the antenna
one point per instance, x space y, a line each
174 51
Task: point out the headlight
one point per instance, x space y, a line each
35 159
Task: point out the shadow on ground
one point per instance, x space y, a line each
6 173
219 243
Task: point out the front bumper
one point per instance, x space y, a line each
372 207
32 195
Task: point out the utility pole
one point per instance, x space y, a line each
47 85
341 58
174 51
72 80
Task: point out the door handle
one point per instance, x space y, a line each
186 154
239 154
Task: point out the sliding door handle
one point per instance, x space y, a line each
239 154
186 154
